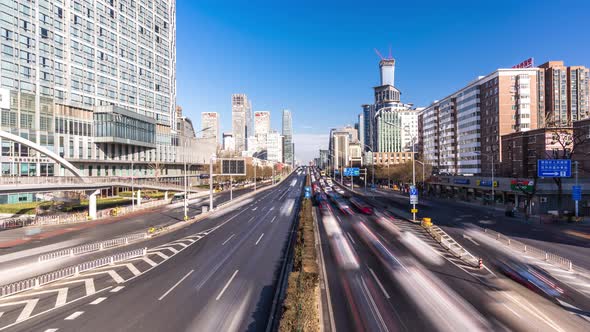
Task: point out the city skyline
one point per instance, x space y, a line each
343 52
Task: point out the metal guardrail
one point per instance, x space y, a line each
562 262
97 246
70 271
16 222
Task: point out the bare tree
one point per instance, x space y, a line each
158 168
565 142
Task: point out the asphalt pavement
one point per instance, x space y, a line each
218 274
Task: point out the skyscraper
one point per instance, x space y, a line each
94 81
210 125
241 114
261 123
288 147
566 91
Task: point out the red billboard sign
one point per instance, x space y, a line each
528 63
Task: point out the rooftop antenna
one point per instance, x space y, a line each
379 54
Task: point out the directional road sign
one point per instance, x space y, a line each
554 168
577 193
413 195
352 171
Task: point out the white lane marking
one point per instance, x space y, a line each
98 300
260 238
27 310
116 289
226 285
62 297
164 256
338 217
565 304
254 209
1 313
229 238
512 311
51 330
74 315
272 208
273 219
133 269
535 312
116 277
149 261
176 284
467 237
350 237
250 220
184 245
174 250
379 283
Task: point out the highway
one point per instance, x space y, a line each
216 274
20 259
387 304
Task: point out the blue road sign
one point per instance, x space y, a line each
554 168
413 195
307 194
307 189
577 193
352 171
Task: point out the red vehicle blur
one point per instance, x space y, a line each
361 205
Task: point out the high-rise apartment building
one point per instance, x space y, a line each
229 144
461 132
210 125
95 82
274 145
367 134
288 145
241 120
566 94
261 123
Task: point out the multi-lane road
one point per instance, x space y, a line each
219 274
374 296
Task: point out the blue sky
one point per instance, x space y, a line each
317 59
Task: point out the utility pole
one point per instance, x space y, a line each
185 185
211 183
576 171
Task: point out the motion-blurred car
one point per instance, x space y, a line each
531 277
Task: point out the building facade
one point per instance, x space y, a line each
461 132
261 123
566 93
274 145
288 144
229 143
94 81
210 125
241 121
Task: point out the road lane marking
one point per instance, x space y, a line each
260 238
379 283
350 237
98 300
512 311
467 237
74 315
51 330
116 289
226 285
116 277
254 209
250 220
133 269
229 238
164 256
27 310
176 284
273 219
149 261
62 297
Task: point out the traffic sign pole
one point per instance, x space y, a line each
577 187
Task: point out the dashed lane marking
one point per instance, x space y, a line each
226 285
116 289
98 300
260 238
229 238
51 330
74 315
273 219
176 284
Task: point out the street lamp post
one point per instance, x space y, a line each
211 182
132 189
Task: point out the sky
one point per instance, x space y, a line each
317 58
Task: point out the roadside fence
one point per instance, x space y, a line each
70 271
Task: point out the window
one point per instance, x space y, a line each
44 33
59 12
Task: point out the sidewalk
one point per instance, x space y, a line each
577 229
